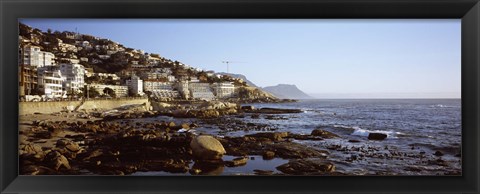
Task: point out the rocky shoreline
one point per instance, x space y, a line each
112 143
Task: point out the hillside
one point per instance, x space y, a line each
286 91
239 76
103 55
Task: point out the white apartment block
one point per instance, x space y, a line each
135 85
120 91
74 76
106 75
182 87
64 47
154 85
201 91
33 56
50 82
171 78
224 89
168 71
165 94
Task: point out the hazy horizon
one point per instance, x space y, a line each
324 58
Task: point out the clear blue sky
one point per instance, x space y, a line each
334 58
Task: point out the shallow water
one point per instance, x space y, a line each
257 163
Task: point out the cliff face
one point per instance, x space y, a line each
286 91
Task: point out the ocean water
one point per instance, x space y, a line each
406 121
416 129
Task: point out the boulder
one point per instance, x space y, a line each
274 136
69 145
185 126
438 153
263 172
208 113
248 107
30 149
237 162
268 155
377 136
296 150
207 168
56 160
307 167
323 133
205 147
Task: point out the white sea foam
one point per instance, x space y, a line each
365 132
441 106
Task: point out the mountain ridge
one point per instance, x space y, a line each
287 91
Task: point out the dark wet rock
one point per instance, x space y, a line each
207 168
31 150
248 107
268 155
307 167
323 133
438 162
195 171
274 111
294 150
36 170
43 135
263 172
56 160
169 165
376 136
255 116
206 147
438 153
94 154
208 113
354 141
274 136
252 145
68 145
304 137
114 168
237 162
79 137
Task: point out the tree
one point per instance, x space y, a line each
92 92
109 91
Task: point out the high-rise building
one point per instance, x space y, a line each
50 82
33 56
135 85
224 89
74 75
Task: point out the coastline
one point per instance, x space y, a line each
118 143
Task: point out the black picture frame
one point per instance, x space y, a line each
466 10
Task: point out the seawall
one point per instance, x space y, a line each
26 108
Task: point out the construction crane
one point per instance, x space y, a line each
228 62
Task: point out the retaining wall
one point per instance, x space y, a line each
52 107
